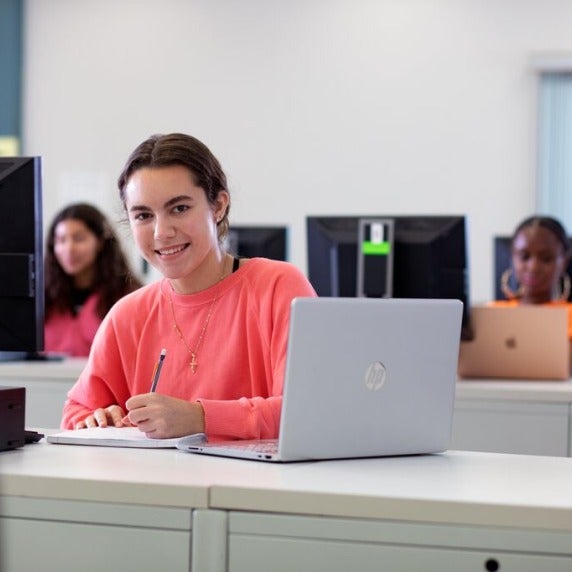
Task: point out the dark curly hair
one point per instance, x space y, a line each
113 277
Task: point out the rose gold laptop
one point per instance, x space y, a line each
527 342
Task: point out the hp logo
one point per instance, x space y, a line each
375 376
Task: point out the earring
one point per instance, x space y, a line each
564 295
505 287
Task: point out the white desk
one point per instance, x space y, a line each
132 509
494 415
506 416
67 507
46 383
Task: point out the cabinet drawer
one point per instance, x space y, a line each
57 535
55 546
284 555
279 543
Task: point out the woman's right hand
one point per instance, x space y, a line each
113 415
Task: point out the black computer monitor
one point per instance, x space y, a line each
429 257
21 255
258 241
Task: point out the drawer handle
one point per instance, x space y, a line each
492 565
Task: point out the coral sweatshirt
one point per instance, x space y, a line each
241 355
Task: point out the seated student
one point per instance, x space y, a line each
540 255
86 272
223 321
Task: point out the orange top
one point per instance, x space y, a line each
556 303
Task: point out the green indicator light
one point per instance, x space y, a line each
376 248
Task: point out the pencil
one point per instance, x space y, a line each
157 370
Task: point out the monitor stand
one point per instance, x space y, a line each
30 356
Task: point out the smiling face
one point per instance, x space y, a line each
538 260
175 227
76 248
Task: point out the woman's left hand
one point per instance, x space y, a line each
113 416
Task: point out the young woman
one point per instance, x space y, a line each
86 272
540 256
222 321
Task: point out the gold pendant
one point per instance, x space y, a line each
194 363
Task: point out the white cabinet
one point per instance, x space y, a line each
502 426
65 507
513 416
261 542
50 535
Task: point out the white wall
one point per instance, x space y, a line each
312 106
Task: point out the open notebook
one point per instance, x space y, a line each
524 342
364 377
119 437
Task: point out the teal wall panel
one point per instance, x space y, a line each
10 67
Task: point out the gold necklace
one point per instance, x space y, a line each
194 364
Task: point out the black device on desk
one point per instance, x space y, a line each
12 417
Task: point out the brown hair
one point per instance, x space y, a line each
184 150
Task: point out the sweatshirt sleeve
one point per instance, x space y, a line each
102 381
258 417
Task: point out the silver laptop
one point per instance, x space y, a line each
364 378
